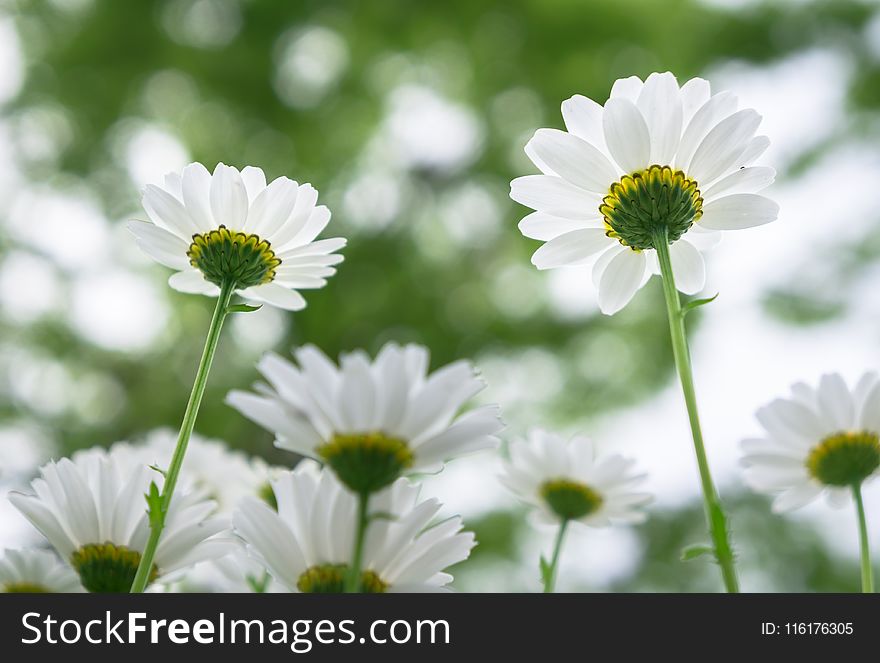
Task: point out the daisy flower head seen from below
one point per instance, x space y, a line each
36 572
656 163
819 440
306 544
92 511
232 229
371 421
565 480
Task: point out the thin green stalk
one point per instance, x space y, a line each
867 572
186 429
353 577
714 511
550 579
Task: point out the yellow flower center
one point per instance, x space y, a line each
24 588
225 255
569 499
846 458
330 579
366 462
649 200
107 568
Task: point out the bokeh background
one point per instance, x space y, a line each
410 120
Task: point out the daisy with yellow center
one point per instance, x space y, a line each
643 185
91 509
36 572
230 233
567 482
371 421
306 545
657 168
819 441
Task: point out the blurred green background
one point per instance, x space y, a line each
409 118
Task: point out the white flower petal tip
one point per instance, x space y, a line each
197 220
392 404
698 146
564 479
306 544
818 441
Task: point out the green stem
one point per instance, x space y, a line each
867 573
353 577
550 580
186 429
714 512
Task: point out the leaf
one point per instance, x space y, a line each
154 506
158 469
243 308
696 303
546 571
696 550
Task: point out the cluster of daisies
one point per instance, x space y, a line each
652 177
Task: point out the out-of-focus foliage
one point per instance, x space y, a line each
340 94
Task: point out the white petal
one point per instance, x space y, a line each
796 497
539 225
707 116
754 149
620 281
554 196
744 180
229 199
196 185
583 118
660 104
723 145
627 88
164 247
271 208
688 267
571 248
626 135
741 210
835 403
574 160
277 295
694 94
254 181
168 212
191 281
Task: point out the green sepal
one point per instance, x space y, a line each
697 303
242 308
696 550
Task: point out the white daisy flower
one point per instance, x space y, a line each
92 510
371 421
232 228
655 158
823 440
565 481
307 544
36 572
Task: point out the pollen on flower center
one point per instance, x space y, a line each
570 499
107 568
366 462
330 579
650 200
224 255
846 458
